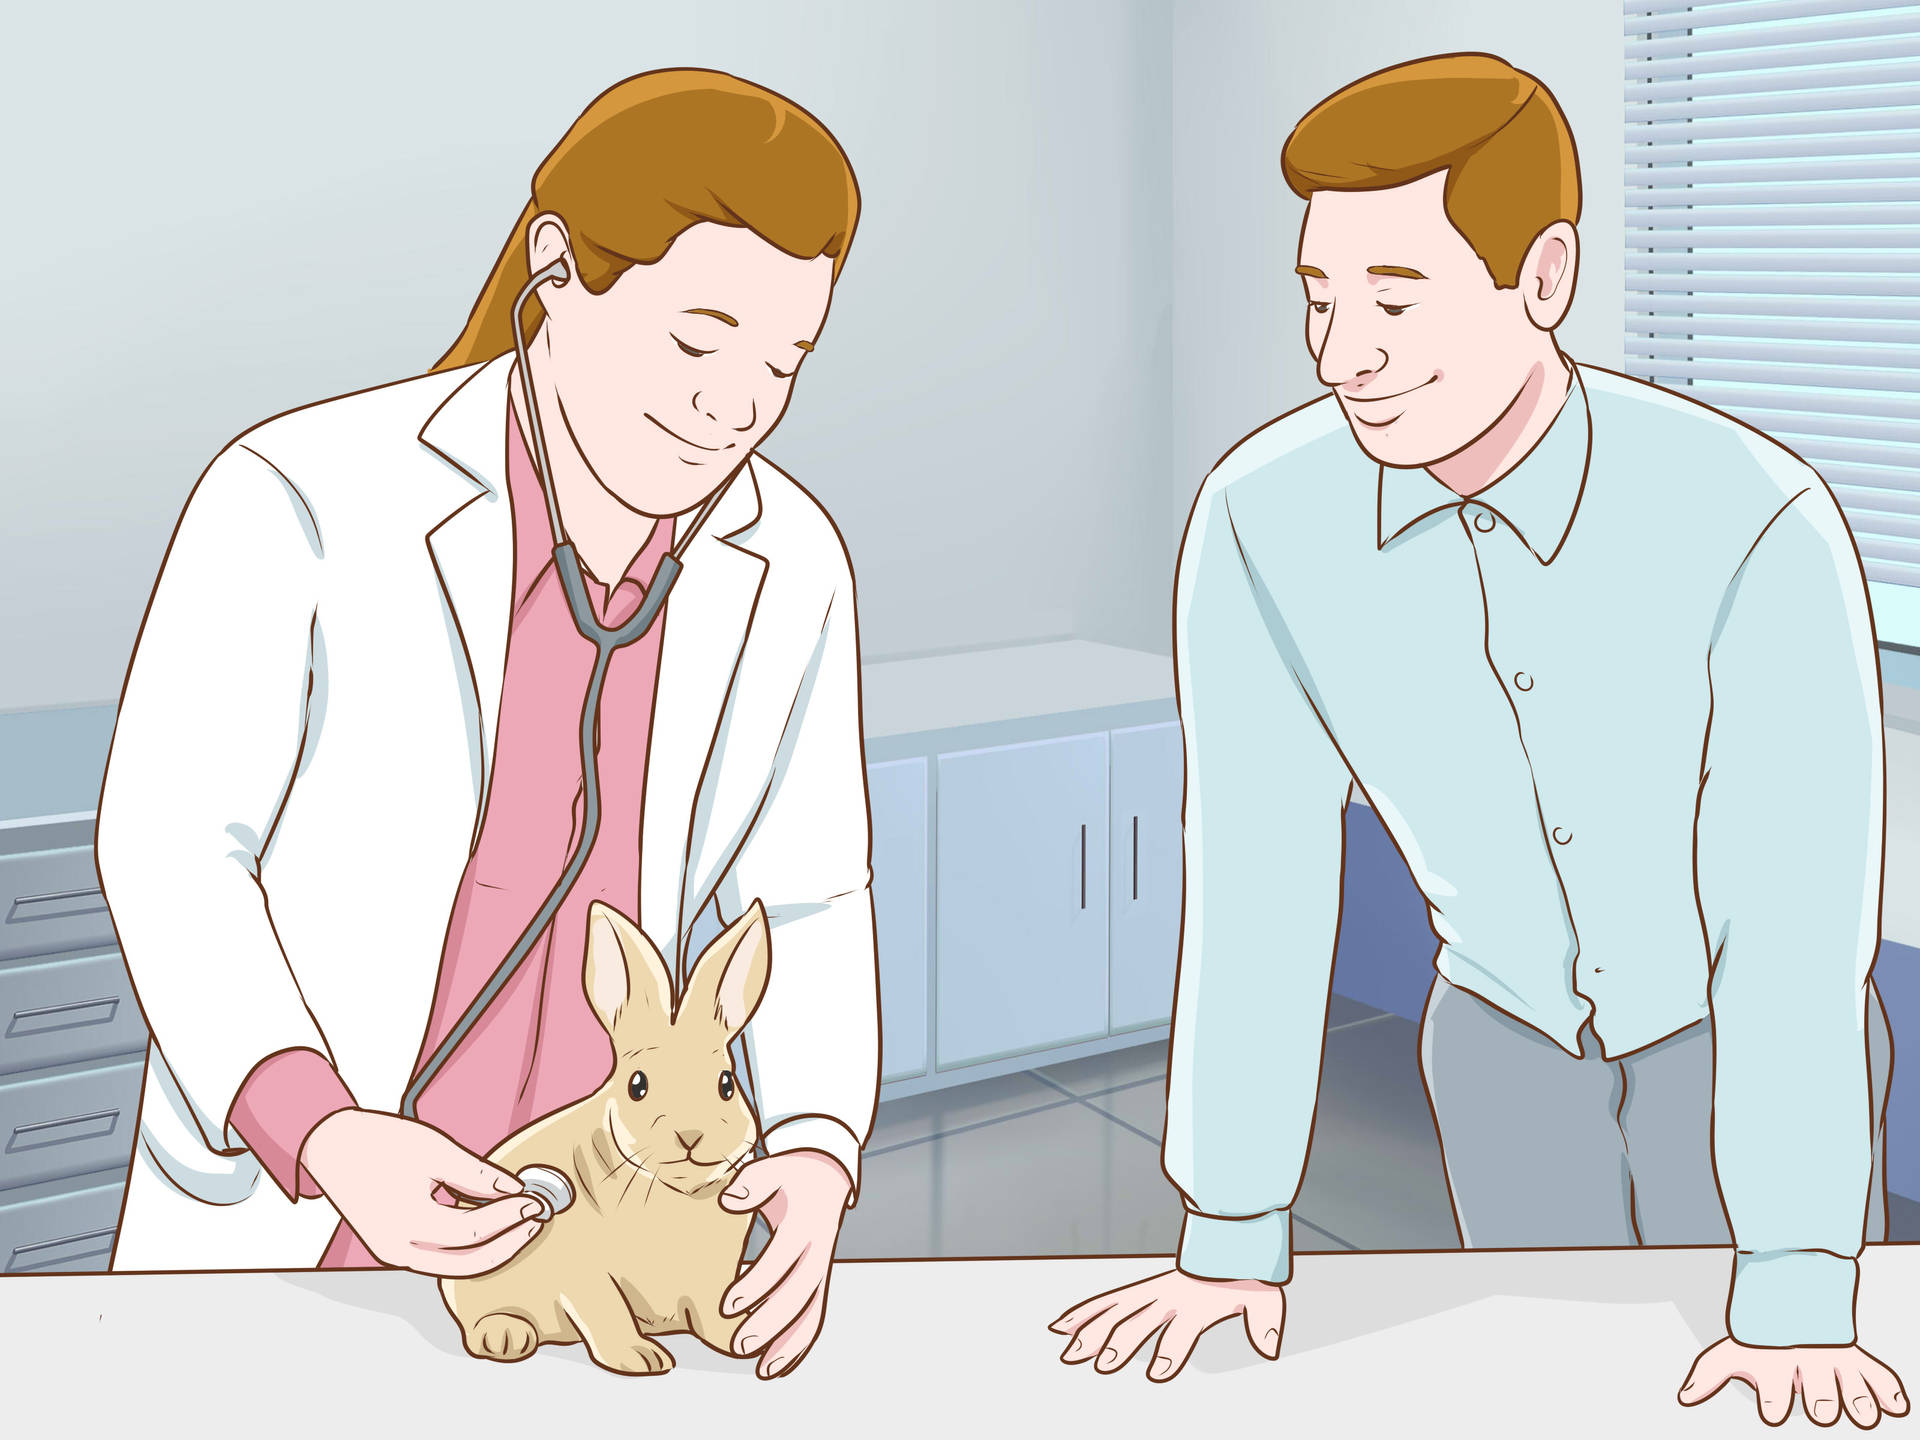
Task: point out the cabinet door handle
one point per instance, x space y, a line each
58 905
1136 857
1083 867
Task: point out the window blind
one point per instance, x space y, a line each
1773 243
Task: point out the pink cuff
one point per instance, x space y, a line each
281 1100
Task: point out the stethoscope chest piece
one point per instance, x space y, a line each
551 1188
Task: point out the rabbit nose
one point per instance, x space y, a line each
689 1138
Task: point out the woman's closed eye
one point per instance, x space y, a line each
783 374
686 348
1395 309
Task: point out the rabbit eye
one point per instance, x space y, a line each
726 1084
637 1085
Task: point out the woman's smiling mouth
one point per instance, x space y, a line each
694 443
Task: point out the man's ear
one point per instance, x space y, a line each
625 975
1548 274
731 975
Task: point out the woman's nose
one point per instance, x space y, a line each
715 408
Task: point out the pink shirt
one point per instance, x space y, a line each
538 1046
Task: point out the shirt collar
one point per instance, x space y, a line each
1538 497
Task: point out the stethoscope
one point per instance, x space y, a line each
606 640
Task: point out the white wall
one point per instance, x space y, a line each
1244 72
221 212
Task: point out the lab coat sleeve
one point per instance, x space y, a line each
205 748
813 1047
1788 863
1264 836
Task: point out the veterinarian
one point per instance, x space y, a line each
346 768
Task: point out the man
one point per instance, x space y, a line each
1600 657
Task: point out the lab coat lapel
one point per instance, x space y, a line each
471 545
706 623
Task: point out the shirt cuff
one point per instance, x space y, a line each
280 1101
1792 1297
1258 1247
818 1132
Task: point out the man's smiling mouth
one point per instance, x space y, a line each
1377 399
694 443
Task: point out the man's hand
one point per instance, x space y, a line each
381 1171
1831 1379
803 1196
1114 1325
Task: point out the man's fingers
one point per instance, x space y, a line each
1183 1332
1266 1317
1706 1379
1087 1309
479 1259
1885 1385
1857 1395
1129 1335
1094 1337
790 1346
764 1276
1774 1387
1820 1393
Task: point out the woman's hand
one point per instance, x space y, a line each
802 1195
381 1171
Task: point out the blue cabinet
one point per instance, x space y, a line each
1144 819
897 798
1022 869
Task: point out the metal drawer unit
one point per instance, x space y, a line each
72 1043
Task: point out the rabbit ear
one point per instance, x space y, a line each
624 973
731 974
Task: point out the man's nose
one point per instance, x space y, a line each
1346 356
689 1138
715 406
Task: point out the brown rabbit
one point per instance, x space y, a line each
645 1248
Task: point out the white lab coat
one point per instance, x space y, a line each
301 759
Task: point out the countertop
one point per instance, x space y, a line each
1527 1343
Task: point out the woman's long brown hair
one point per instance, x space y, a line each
655 155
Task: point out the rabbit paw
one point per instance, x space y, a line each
640 1357
502 1337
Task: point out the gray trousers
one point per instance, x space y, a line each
1542 1149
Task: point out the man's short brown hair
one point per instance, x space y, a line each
1496 131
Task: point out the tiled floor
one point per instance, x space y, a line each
1066 1160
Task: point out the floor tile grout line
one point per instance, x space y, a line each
1322 1230
972 1125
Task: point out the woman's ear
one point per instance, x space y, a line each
730 977
624 974
548 241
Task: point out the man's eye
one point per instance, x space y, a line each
784 374
1396 309
1320 307
688 349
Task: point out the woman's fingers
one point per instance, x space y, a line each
788 1348
478 1259
764 1276
465 1173
441 1227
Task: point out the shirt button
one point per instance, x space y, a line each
1522 680
1560 836
1483 520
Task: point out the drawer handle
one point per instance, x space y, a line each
57 906
46 1254
96 1126
71 1016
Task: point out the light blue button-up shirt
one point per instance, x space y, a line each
1620 711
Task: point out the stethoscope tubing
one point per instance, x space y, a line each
605 639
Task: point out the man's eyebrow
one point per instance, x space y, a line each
716 314
1317 274
1402 271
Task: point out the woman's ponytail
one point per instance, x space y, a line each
489 330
